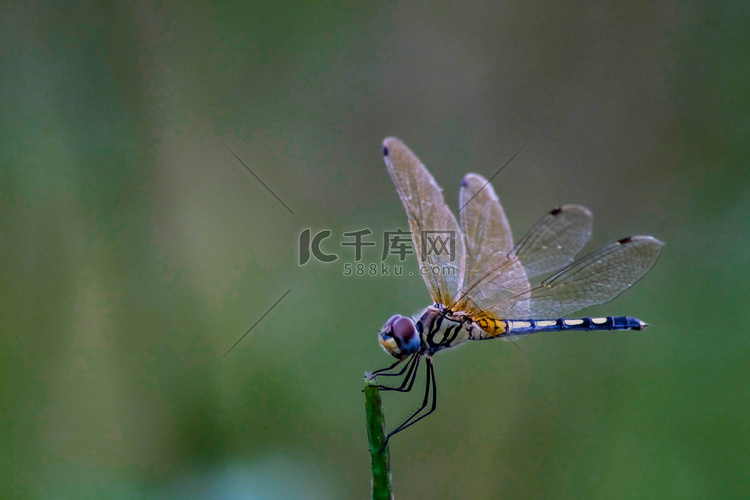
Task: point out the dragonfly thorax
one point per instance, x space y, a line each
441 328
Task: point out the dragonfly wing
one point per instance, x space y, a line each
594 279
555 240
438 241
492 280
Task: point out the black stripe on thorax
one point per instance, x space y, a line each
450 337
434 328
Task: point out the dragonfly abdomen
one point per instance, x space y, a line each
490 328
529 326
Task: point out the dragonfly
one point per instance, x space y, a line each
483 286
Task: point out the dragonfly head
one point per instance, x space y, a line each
399 337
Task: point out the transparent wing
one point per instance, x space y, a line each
555 240
492 280
438 241
595 279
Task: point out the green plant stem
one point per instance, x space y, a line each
382 487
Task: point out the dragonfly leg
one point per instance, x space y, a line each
411 375
431 386
382 371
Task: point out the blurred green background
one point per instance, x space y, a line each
136 249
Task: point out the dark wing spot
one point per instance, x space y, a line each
385 151
625 241
556 211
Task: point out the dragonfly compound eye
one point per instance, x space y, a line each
389 323
405 334
404 330
399 336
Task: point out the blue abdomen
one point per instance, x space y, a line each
529 326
